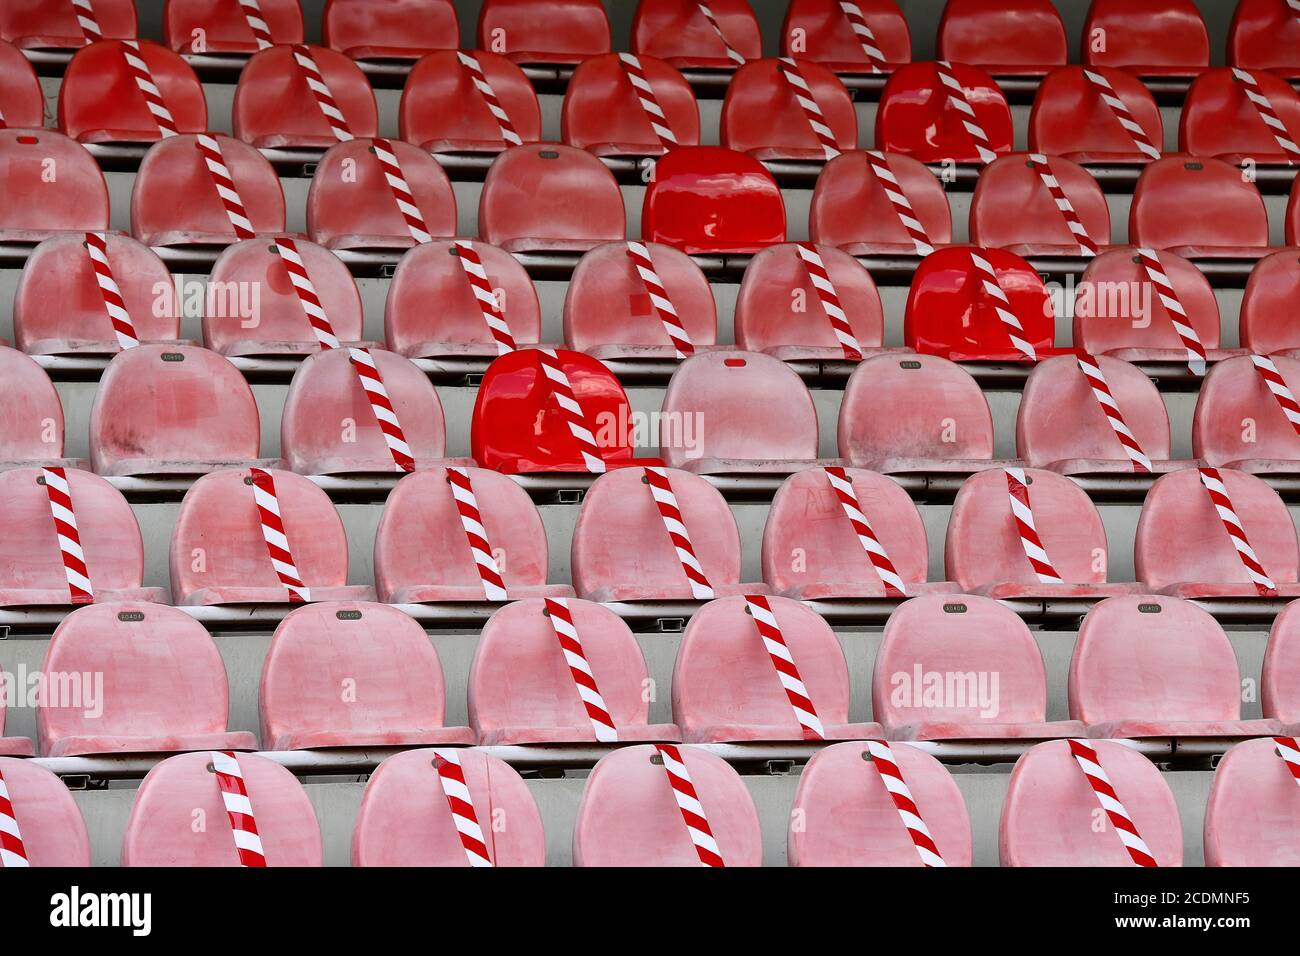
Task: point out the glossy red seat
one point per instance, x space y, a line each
602 110
31 415
1012 208
1070 119
34 206
819 30
175 792
917 117
1218 119
442 110
1279 686
53 25
1150 38
163 685
1264 35
1250 817
12 747
52 828
678 32
1005 37
274 108
851 207
389 29
22 103
99 101
219 26
551 32
1238 422
1198 208
1266 324
762 116
521 690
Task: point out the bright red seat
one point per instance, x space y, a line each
821 31
31 414
1070 117
629 815
161 832
163 685
917 117
100 102
54 24
59 308
847 815
678 32
852 208
220 26
442 110
1264 35
397 695
522 691
704 199
1279 695
22 103
1218 119
275 108
1238 422
1250 817
762 116
1149 38
34 205
553 31
1051 815
1266 324
1198 207
404 820
1005 37
1013 209
49 821
390 29
603 112
11 747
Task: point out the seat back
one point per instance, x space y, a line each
1263 35
99 98
1180 201
1166 34
1012 204
1266 326
762 111
1219 119
441 106
49 820
35 24
1238 417
34 204
850 204
820 30
1009 33
22 103
677 30
274 105
602 107
31 415
1279 695
917 117
1250 817
1069 115
406 28
555 31
571 195
219 26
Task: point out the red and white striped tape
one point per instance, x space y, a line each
879 164
1091 369
891 775
1002 305
688 802
485 295
645 95
1288 748
830 300
87 20
760 609
144 81
114 305
1264 107
675 525
639 253
493 103
566 632
957 97
277 539
402 195
224 184
64 515
842 485
574 417
452 778
12 851
1122 114
287 249
1039 163
1214 486
1150 260
1086 757
1023 514
471 521
1272 377
812 111
315 81
732 54
239 808
866 38
257 23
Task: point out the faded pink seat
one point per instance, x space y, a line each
22 103
965 644
444 112
679 32
521 690
321 650
389 29
848 818
12 746
1198 207
423 556
762 115
53 831
1012 208
551 32
1252 817
100 102
1157 667
275 108
31 415
602 111
1266 325
160 830
404 821
1050 816
1279 695
34 205
1070 118
726 688
217 26
852 209
1238 422
629 816
163 685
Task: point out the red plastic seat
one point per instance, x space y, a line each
550 198
59 308
553 31
273 322
761 114
1218 119
160 830
1070 119
320 651
51 825
442 110
819 30
622 551
1183 549
100 102
1264 35
22 103
961 668
1150 38
390 29
1279 695
1012 208
1266 324
421 519
31 414
852 209
916 117
1250 817
53 24
521 690
678 32
34 205
174 201
602 110
432 272
609 312
163 685
1051 815
1146 666
220 26
1198 207
274 107
1238 422
847 816
404 821
705 199
1005 37
629 815
12 747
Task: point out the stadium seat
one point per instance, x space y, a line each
762 115
917 117
275 109
161 832
961 668
1182 547
852 209
59 308
174 201
708 200
421 519
522 690
1149 38
43 25
273 322
442 111
1238 422
32 568
389 29
1250 817
623 551
603 111
1198 208
1280 684
1219 119
847 816
1070 117
353 674
609 312
629 815
433 272
1006 37
163 685
11 746
22 103
1147 666
34 206
1013 209
1051 816
219 26
557 32
1266 326
1264 35
678 32
821 31
172 410
737 413
404 819
100 101
31 415
50 823
549 199
219 551
726 685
